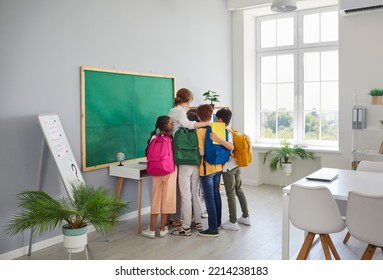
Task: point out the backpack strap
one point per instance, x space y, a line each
232 130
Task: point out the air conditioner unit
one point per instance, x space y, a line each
352 7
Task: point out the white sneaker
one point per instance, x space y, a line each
164 232
204 215
245 221
230 226
148 233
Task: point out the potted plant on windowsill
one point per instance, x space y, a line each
88 205
212 96
376 94
282 157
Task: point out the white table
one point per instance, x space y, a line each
348 180
131 170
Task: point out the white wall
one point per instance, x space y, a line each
43 43
361 45
360 66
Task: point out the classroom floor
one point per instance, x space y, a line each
260 241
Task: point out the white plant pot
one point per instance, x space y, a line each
287 168
75 240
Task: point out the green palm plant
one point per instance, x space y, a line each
285 154
87 205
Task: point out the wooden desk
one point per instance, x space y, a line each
348 180
135 171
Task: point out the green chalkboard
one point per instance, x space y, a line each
119 111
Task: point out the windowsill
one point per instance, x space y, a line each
261 147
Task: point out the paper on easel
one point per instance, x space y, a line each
219 128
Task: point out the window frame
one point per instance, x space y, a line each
271 17
258 95
318 143
298 49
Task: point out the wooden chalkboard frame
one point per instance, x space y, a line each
144 98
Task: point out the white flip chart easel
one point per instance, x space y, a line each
60 149
55 138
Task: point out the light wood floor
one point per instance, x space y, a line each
260 241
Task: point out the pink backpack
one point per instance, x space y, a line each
160 156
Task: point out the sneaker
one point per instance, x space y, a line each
208 233
182 231
245 221
148 233
164 232
230 226
204 215
197 226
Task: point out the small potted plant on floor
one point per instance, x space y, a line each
281 157
376 94
212 96
87 206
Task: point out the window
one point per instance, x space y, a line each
297 78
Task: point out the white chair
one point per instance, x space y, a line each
372 166
364 221
366 165
314 210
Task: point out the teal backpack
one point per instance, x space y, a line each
185 147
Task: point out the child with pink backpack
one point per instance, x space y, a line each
159 154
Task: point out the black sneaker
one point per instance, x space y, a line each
208 233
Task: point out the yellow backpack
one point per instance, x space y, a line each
243 154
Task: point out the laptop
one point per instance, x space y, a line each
322 176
